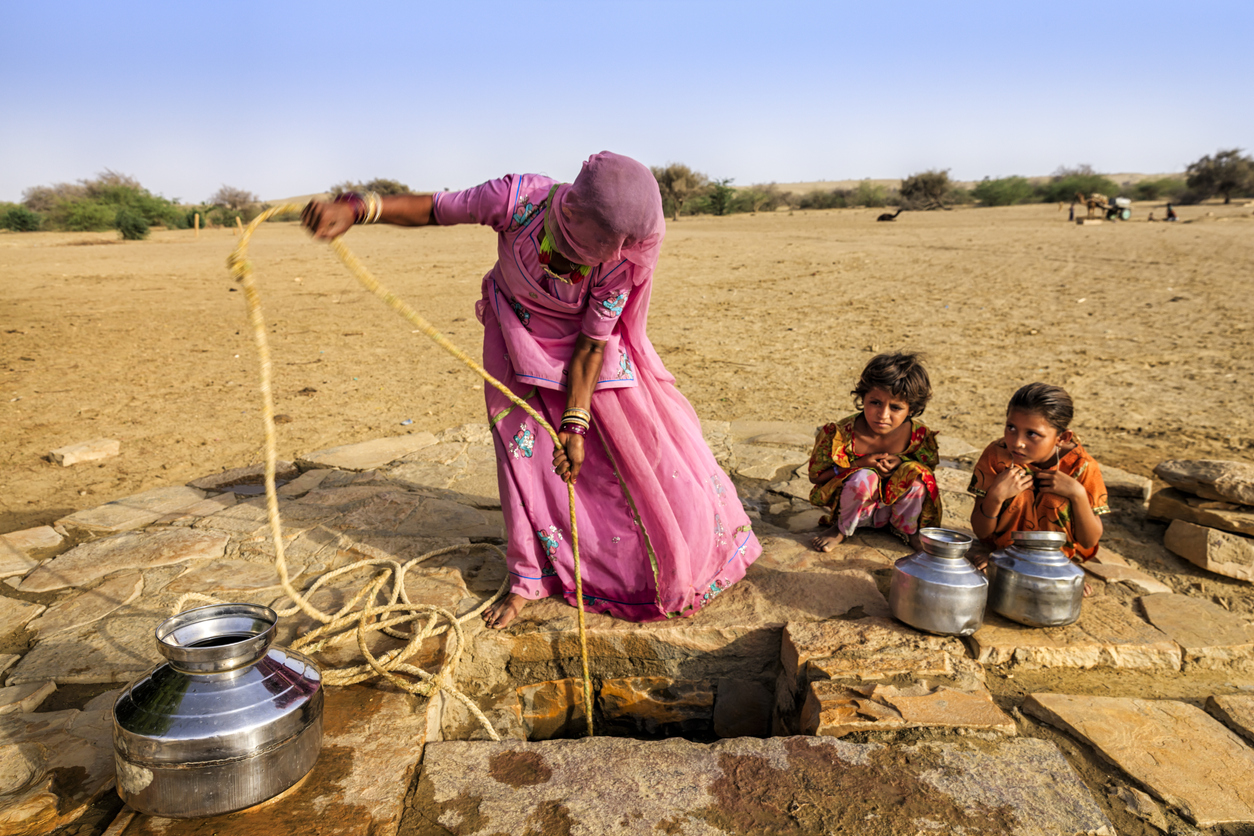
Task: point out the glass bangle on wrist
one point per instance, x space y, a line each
574 429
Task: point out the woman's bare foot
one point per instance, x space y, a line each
828 540
499 615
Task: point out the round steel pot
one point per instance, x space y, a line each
937 589
226 722
1034 583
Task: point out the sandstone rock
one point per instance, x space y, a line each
1186 758
7 660
24 698
745 431
89 606
956 511
197 510
656 705
952 479
751 461
372 743
798 785
1210 636
304 483
86 451
474 433
805 521
1236 711
14 615
229 576
243 520
956 449
366 455
1127 575
1141 805
32 539
84 564
742 708
1171 504
14 562
1225 481
133 511
552 709
796 440
833 709
871 650
252 475
116 649
1230 555
1122 483
1105 634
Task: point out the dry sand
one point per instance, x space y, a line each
767 316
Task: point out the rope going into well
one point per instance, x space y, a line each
399 610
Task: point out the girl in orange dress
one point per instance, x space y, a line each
1038 477
874 468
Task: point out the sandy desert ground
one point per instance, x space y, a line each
1150 326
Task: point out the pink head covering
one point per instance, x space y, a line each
612 211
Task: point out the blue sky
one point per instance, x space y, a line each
287 98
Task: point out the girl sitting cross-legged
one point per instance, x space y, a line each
874 468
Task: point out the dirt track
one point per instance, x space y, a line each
1149 326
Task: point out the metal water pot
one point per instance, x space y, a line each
1034 583
225 723
937 589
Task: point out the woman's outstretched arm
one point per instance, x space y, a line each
327 219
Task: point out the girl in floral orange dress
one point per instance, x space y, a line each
874 468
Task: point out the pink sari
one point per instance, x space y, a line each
661 529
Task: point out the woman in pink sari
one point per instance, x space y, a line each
661 529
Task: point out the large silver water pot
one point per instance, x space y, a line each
1033 582
225 723
937 589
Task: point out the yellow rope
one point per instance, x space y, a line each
399 610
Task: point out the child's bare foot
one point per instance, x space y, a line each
499 615
828 540
1088 590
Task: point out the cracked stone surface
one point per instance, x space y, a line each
1226 481
366 455
1129 576
792 785
1171 504
89 562
1236 711
1221 552
1209 636
284 471
834 709
92 605
24 698
133 511
1185 757
16 614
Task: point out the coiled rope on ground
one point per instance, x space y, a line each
399 611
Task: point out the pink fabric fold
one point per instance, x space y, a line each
612 211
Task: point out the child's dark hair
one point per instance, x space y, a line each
901 374
1050 402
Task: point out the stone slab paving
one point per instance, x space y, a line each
957 449
84 608
1171 504
1106 634
24 698
372 742
34 539
54 765
85 564
793 786
1181 754
756 461
1236 711
15 615
7 660
834 709
1129 576
1122 483
133 511
1221 552
195 511
284 471
14 562
366 455
1226 481
1209 636
86 451
1141 805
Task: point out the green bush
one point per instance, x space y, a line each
1164 188
130 224
925 190
83 216
20 219
834 199
94 204
1004 191
1067 182
869 194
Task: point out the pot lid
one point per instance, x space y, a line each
1040 539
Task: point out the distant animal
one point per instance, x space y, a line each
1094 202
890 216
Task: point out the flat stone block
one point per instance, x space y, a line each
24 698
204 508
1141 805
552 709
1230 555
1210 636
957 449
1106 634
372 743
85 564
113 650
1185 757
656 704
1171 504
304 483
230 576
1225 481
86 451
1122 483
133 511
14 561
7 660
793 785
14 615
872 649
86 607
1236 711
252 475
366 455
33 539
1127 575
952 479
751 461
834 709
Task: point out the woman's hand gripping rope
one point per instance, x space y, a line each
399 610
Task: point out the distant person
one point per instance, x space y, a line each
1038 477
875 468
1151 217
661 530
1171 213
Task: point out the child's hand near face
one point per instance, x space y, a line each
1009 483
1060 484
